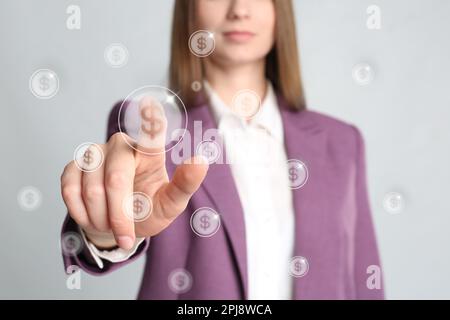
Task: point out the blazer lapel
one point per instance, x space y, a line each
305 140
220 187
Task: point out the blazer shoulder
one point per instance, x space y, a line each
341 134
334 126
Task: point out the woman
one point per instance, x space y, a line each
268 232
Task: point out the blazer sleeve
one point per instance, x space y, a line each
366 257
84 259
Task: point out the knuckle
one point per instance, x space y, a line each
81 220
116 180
70 192
116 137
118 223
64 174
93 192
101 226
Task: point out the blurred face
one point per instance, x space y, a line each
243 29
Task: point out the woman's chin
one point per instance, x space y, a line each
238 57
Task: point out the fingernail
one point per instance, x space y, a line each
125 242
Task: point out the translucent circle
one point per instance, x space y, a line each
297 174
246 104
44 84
180 281
153 117
196 86
393 203
210 150
88 157
71 243
298 267
116 55
29 198
138 206
205 222
202 43
363 74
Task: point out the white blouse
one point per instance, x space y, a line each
260 172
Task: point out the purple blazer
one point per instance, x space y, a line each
333 224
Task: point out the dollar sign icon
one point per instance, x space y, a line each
201 43
293 174
394 202
116 55
29 198
298 267
153 125
137 206
180 281
44 83
246 105
363 74
297 174
70 244
88 157
205 222
208 151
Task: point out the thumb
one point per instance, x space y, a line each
186 180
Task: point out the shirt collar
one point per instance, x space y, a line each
268 117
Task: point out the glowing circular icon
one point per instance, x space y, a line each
393 203
205 222
210 150
196 86
116 55
246 104
71 243
88 157
297 174
138 206
44 84
155 119
29 198
363 74
202 43
298 267
180 281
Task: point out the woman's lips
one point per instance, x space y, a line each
239 36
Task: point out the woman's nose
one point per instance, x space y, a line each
239 9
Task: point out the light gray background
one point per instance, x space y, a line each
404 117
